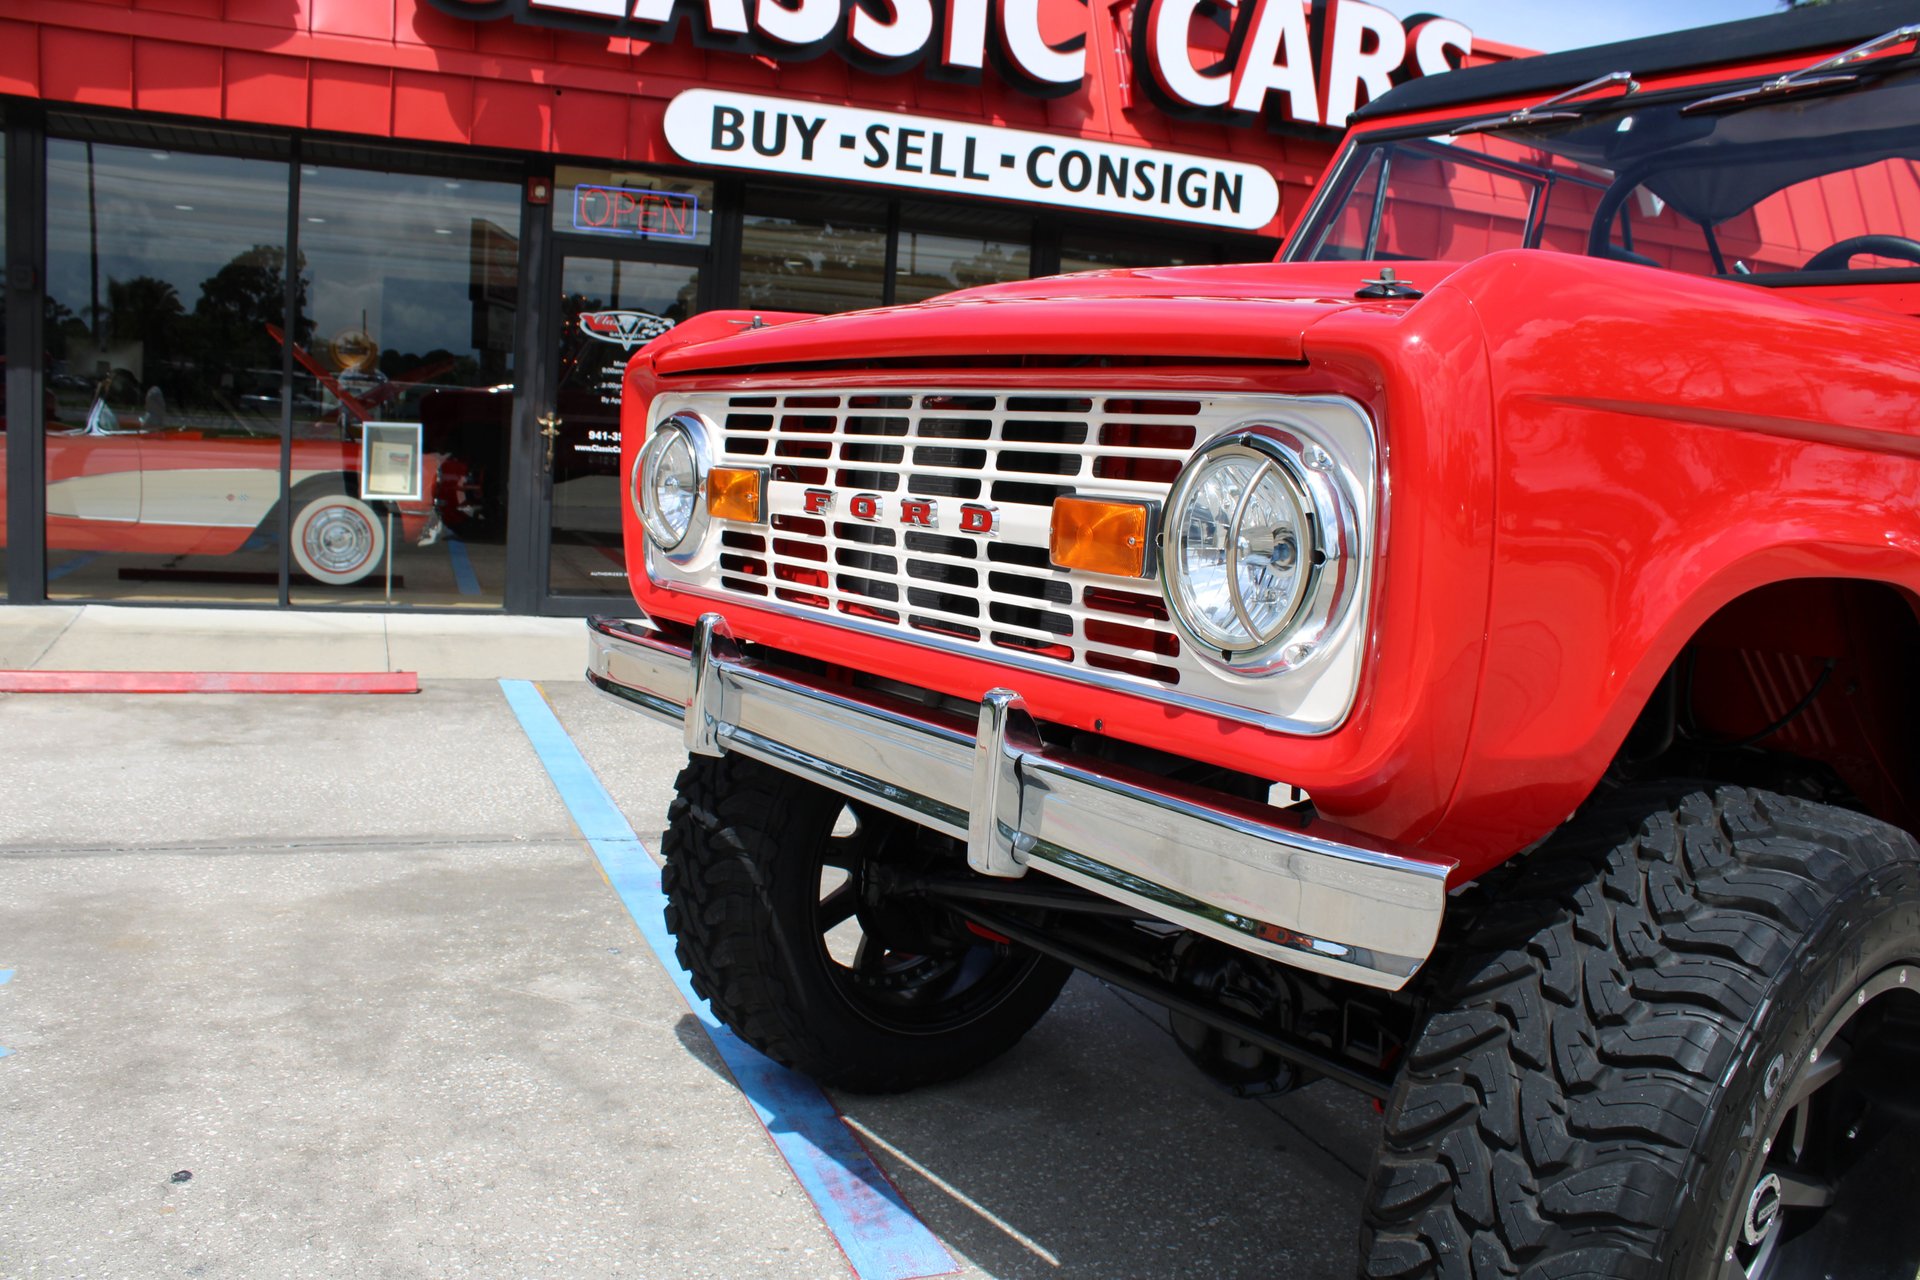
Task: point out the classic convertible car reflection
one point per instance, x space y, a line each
134 479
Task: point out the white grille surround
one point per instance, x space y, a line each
997 596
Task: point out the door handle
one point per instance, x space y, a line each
550 428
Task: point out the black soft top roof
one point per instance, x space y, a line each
1812 29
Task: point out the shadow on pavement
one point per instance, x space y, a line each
1093 1151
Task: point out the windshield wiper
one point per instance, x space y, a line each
1543 110
1806 78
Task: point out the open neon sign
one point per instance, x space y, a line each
634 211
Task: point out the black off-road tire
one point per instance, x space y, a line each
744 848
1617 1042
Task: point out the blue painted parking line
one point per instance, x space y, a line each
59 571
463 575
880 1235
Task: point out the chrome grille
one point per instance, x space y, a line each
999 595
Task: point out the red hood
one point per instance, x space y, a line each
1248 312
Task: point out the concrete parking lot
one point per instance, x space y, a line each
347 962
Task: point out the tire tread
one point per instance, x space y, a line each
723 848
1585 1020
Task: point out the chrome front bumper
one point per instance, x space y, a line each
1301 892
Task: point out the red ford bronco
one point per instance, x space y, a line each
1474 658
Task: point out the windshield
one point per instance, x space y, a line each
1776 191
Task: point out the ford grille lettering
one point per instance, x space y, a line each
975 517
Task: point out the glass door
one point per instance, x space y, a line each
611 305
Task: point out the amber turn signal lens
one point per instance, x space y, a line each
737 493
1100 537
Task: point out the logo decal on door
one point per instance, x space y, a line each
628 329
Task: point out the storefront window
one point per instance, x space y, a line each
166 287
635 206
409 298
813 252
1104 251
946 248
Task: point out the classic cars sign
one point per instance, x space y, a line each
778 135
1235 61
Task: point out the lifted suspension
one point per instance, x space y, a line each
994 907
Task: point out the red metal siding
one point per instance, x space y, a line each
354 99
394 68
180 78
265 88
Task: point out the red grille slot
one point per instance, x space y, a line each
872 587
1153 408
1016 615
1040 464
1132 667
1026 644
1122 636
878 481
1132 604
1147 435
945 601
800 550
1156 470
1028 431
871 561
941 627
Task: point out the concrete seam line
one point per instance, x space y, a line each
41 656
866 1214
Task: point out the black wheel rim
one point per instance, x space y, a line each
1832 1193
908 968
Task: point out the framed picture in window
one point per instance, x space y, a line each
390 461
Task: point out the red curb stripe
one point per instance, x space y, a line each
209 682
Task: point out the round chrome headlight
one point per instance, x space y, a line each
668 477
1253 525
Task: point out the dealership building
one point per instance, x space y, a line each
324 303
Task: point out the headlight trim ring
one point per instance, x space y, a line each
1330 540
682 545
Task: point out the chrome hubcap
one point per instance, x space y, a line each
1763 1206
338 539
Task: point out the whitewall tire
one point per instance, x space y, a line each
338 539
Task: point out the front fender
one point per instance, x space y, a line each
1664 444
